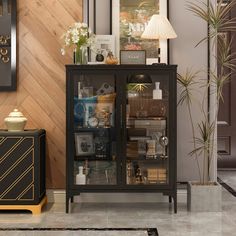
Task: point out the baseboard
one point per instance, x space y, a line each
56 195
59 196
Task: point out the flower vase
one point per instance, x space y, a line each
81 56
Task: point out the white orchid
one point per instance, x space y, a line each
78 35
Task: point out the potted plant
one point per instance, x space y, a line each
205 195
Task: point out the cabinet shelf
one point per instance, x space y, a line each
88 129
92 158
158 159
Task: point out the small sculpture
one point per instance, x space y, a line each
111 59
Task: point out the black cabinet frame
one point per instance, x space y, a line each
120 73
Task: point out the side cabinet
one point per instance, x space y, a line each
121 129
22 172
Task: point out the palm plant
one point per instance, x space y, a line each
219 24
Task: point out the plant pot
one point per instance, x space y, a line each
204 198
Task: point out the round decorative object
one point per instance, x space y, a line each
164 141
99 57
5 59
3 51
15 121
93 122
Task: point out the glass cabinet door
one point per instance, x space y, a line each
95 142
147 153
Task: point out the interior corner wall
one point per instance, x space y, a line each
190 30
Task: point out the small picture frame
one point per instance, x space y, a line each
84 144
132 57
103 44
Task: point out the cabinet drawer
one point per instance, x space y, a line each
17 168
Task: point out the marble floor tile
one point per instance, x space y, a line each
228 176
125 215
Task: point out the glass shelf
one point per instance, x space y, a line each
82 129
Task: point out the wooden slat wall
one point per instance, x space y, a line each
40 91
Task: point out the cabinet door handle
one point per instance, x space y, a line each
121 116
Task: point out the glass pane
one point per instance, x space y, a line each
94 130
147 129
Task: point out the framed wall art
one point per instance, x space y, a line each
7 45
129 19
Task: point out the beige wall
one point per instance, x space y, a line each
190 30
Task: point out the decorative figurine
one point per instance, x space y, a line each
111 59
138 176
164 142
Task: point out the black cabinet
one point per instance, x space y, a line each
121 132
22 172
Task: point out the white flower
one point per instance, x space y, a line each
67 41
75 39
63 52
74 32
78 25
78 35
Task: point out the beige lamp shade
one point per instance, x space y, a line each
159 28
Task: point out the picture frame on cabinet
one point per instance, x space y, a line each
103 45
84 144
132 57
129 19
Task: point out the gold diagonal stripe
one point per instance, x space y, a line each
1 140
16 181
16 163
11 149
11 199
24 191
28 199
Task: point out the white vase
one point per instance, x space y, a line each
80 177
15 121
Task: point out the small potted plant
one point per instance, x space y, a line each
205 194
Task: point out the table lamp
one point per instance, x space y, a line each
159 27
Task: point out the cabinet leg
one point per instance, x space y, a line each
170 199
175 203
67 204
